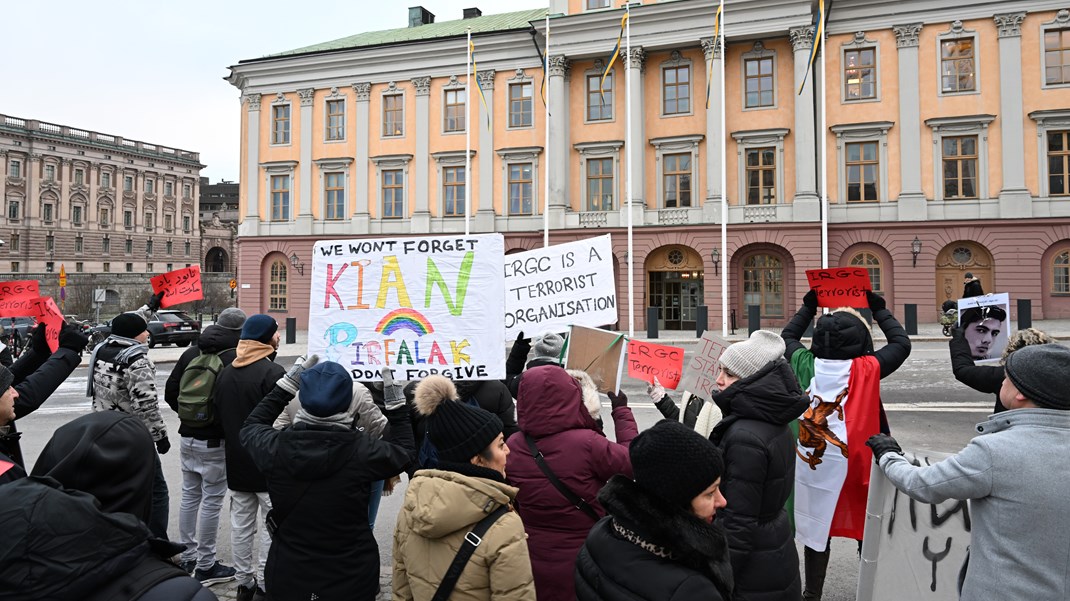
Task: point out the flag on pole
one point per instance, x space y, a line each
474 73
613 57
545 67
716 40
819 33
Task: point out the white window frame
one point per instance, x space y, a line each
608 6
860 42
676 59
597 71
280 100
15 165
754 139
849 133
49 177
332 166
1048 121
392 89
1061 21
520 77
335 96
758 51
455 85
392 162
269 169
600 150
956 32
968 125
677 145
450 158
512 156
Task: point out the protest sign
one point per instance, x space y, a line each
46 312
911 550
647 361
700 375
16 298
840 286
549 289
420 305
179 286
600 353
985 322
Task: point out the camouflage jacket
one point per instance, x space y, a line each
124 379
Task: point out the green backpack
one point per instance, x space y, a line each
196 388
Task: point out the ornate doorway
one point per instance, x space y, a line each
952 263
675 285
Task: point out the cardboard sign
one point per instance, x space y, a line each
16 298
600 353
840 286
647 361
46 312
986 323
428 305
179 286
911 550
549 289
700 375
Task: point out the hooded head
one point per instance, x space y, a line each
459 431
842 334
550 401
590 392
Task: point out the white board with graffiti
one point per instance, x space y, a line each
421 305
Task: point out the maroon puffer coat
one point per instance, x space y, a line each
550 409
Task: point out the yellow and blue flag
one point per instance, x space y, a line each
613 57
479 87
819 33
716 40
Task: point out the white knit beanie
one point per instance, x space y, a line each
744 359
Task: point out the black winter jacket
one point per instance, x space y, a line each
238 390
759 476
982 378
493 396
214 339
319 478
37 376
669 409
612 567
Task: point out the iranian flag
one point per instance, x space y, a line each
832 459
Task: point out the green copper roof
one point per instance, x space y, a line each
486 23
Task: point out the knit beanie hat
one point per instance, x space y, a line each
232 318
1039 372
744 359
6 379
674 462
458 430
128 325
259 327
549 347
326 389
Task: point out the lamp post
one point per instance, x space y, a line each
715 255
296 263
915 250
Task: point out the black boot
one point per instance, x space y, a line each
815 564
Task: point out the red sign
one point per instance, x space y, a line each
46 312
16 298
179 286
840 287
5 465
647 360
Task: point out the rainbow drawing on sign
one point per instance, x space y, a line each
407 319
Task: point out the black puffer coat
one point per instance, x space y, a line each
611 566
759 457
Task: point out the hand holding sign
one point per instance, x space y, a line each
701 375
179 286
655 362
840 287
49 315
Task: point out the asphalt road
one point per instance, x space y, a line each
928 410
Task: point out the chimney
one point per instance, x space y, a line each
471 13
419 15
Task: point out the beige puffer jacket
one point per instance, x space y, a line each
440 508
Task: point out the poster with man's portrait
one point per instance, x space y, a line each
985 321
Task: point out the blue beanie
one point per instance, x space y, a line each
259 327
326 389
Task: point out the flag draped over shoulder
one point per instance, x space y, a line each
819 33
716 40
613 57
473 74
832 459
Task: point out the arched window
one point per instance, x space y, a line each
1060 273
277 294
763 284
872 264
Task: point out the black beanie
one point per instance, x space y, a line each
458 430
128 325
6 379
674 462
1039 372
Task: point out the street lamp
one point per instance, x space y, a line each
716 257
915 250
296 263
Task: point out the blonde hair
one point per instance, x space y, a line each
1026 337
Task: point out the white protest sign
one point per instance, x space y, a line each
421 305
549 289
700 374
911 550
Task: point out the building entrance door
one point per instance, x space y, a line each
952 263
675 278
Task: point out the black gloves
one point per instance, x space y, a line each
810 300
876 301
154 302
71 337
38 342
618 399
163 445
520 338
881 444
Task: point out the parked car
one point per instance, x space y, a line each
173 327
22 325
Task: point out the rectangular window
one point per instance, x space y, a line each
50 173
107 267
960 167
50 243
393 193
677 180
168 222
187 220
280 198
1056 57
520 190
280 124
393 115
170 249
128 183
335 195
150 221
14 267
761 176
600 184
336 119
187 191
79 176
676 90
79 267
860 74
148 247
14 169
453 182
105 245
128 219
599 98
957 68
46 212
14 240
12 209
593 4
168 189
76 215
170 267
129 246
187 245
758 77
79 244
105 217
50 266
520 104
454 110
150 186
105 180
1059 163
129 268
863 171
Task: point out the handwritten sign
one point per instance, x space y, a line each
911 550
46 312
179 286
700 375
600 353
429 305
549 289
647 361
16 298
840 287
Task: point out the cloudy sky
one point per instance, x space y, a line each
153 70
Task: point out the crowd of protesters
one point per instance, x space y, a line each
514 491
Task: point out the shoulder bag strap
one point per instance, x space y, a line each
471 540
572 497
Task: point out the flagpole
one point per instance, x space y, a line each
628 145
546 182
724 185
823 152
468 134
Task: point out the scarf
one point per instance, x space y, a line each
251 351
343 419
